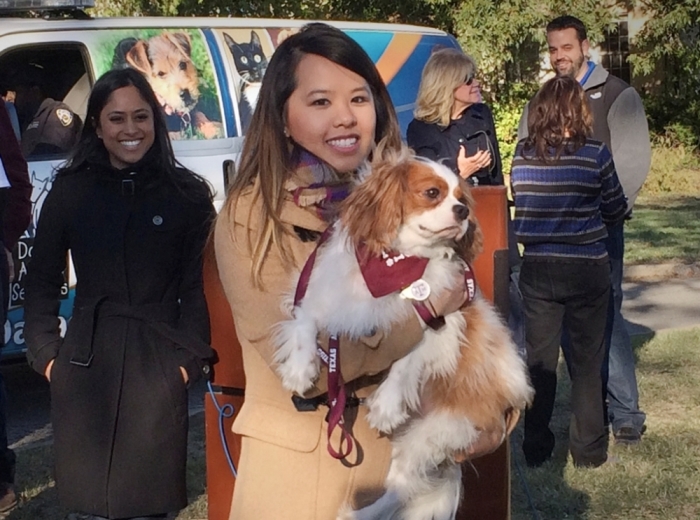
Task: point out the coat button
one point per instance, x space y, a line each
206 369
461 139
157 220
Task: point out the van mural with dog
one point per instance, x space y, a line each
177 65
206 72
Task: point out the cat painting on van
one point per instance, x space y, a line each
250 62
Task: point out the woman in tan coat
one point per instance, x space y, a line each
322 111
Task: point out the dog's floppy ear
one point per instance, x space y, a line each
472 243
121 50
374 211
181 41
137 58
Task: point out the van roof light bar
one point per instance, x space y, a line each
44 5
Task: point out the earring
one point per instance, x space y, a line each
286 133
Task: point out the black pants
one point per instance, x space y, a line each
7 456
574 295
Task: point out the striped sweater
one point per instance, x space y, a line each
562 206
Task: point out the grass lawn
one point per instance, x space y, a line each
656 480
665 228
666 223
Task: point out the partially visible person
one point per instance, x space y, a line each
15 210
135 223
451 124
566 191
10 107
48 126
323 111
620 122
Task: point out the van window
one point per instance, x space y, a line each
49 87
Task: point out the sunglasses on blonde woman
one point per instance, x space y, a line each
469 79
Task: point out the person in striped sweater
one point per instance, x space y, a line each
566 191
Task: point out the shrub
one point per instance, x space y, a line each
675 167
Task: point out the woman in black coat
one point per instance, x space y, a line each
451 123
135 224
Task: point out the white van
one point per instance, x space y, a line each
206 71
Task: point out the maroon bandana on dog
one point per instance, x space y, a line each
390 272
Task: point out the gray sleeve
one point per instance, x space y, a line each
629 140
522 126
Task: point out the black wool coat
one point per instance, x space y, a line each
118 399
474 129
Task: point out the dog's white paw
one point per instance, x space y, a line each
299 370
387 411
298 364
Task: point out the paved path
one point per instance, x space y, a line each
661 305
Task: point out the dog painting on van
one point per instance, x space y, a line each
166 61
251 63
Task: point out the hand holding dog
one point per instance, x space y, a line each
490 441
472 164
446 302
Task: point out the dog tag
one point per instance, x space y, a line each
418 290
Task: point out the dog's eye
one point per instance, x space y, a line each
161 74
432 193
183 65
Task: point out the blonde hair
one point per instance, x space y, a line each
445 71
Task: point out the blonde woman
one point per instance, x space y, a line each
451 123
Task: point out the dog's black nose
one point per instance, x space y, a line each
460 211
186 96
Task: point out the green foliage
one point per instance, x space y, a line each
507 37
675 168
507 111
668 52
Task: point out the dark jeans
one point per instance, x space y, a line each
574 295
7 456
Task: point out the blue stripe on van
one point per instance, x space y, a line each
224 90
374 43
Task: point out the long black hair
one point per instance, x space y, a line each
91 150
267 159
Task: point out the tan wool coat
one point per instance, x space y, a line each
285 470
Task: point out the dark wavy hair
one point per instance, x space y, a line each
91 150
267 159
559 119
568 22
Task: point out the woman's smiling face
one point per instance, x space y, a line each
126 127
331 113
